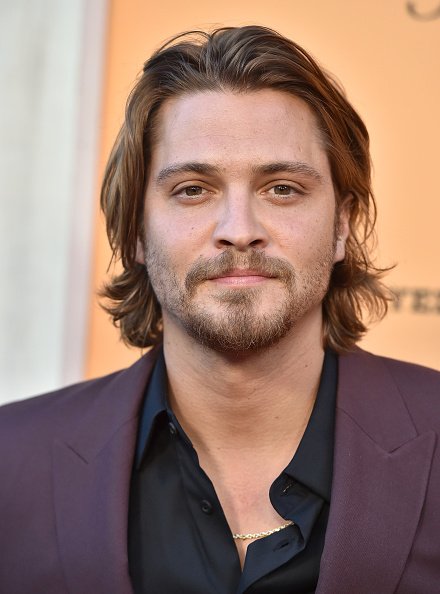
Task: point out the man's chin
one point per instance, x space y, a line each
257 301
239 331
232 344
248 296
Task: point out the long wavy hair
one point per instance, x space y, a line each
240 59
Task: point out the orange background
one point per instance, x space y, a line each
388 62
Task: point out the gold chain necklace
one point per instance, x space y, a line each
261 534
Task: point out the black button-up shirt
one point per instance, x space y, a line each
179 540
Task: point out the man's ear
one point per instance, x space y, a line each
140 252
342 227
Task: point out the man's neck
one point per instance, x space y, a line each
248 401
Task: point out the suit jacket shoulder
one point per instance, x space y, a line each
29 427
420 389
371 378
46 411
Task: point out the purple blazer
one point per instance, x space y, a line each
65 467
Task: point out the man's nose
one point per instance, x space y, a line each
239 224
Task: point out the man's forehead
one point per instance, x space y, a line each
207 106
265 127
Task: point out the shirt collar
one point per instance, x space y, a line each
312 464
155 403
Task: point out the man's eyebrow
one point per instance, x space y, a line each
289 167
264 169
190 167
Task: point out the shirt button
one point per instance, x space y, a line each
206 506
172 428
282 545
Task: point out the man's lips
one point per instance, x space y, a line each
241 277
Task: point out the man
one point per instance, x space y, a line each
255 448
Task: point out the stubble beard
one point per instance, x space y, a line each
236 325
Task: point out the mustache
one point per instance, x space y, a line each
206 268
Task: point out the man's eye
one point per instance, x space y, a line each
283 190
192 191
191 194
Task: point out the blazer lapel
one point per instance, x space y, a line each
381 470
92 470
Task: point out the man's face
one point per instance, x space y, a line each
240 218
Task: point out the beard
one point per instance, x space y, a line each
230 320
